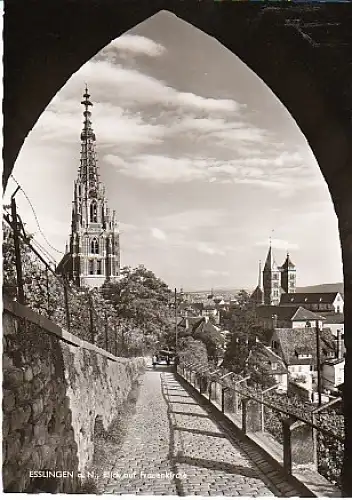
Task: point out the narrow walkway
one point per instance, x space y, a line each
173 447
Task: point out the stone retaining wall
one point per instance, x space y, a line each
55 386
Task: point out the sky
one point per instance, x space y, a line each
201 161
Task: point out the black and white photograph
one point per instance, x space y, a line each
177 248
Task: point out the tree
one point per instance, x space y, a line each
244 353
142 298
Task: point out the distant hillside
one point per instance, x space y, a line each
326 287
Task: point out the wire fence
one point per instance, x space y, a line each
30 278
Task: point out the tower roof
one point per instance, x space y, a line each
87 131
288 264
88 171
270 263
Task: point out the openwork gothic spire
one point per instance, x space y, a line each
93 255
88 171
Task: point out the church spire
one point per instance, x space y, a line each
260 275
88 171
269 259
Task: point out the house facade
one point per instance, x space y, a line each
288 317
297 348
333 372
332 302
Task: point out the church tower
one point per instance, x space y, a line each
94 249
288 276
271 280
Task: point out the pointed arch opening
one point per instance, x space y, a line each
94 246
93 211
317 96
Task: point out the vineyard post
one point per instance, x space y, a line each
106 332
115 339
18 262
67 307
47 290
91 318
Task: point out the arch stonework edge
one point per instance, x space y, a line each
302 52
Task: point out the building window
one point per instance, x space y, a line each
308 324
93 212
275 293
338 309
275 276
91 267
99 267
292 277
94 246
274 366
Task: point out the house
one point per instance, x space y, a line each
288 317
208 309
274 364
187 322
297 348
333 373
335 322
324 302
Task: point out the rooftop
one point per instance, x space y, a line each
308 298
294 341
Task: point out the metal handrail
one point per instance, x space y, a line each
289 414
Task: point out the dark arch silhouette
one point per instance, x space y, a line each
303 52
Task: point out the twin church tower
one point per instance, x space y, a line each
93 253
274 281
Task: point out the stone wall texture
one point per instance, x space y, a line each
55 386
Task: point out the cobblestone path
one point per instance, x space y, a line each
173 447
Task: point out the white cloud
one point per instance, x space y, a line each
62 123
189 220
136 44
278 244
208 249
160 168
158 234
130 87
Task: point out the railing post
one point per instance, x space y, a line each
235 400
244 414
223 391
315 440
286 430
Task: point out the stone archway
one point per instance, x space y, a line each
302 52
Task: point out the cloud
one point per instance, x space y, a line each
158 234
208 249
135 44
126 227
63 121
161 168
190 220
278 244
130 87
267 173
